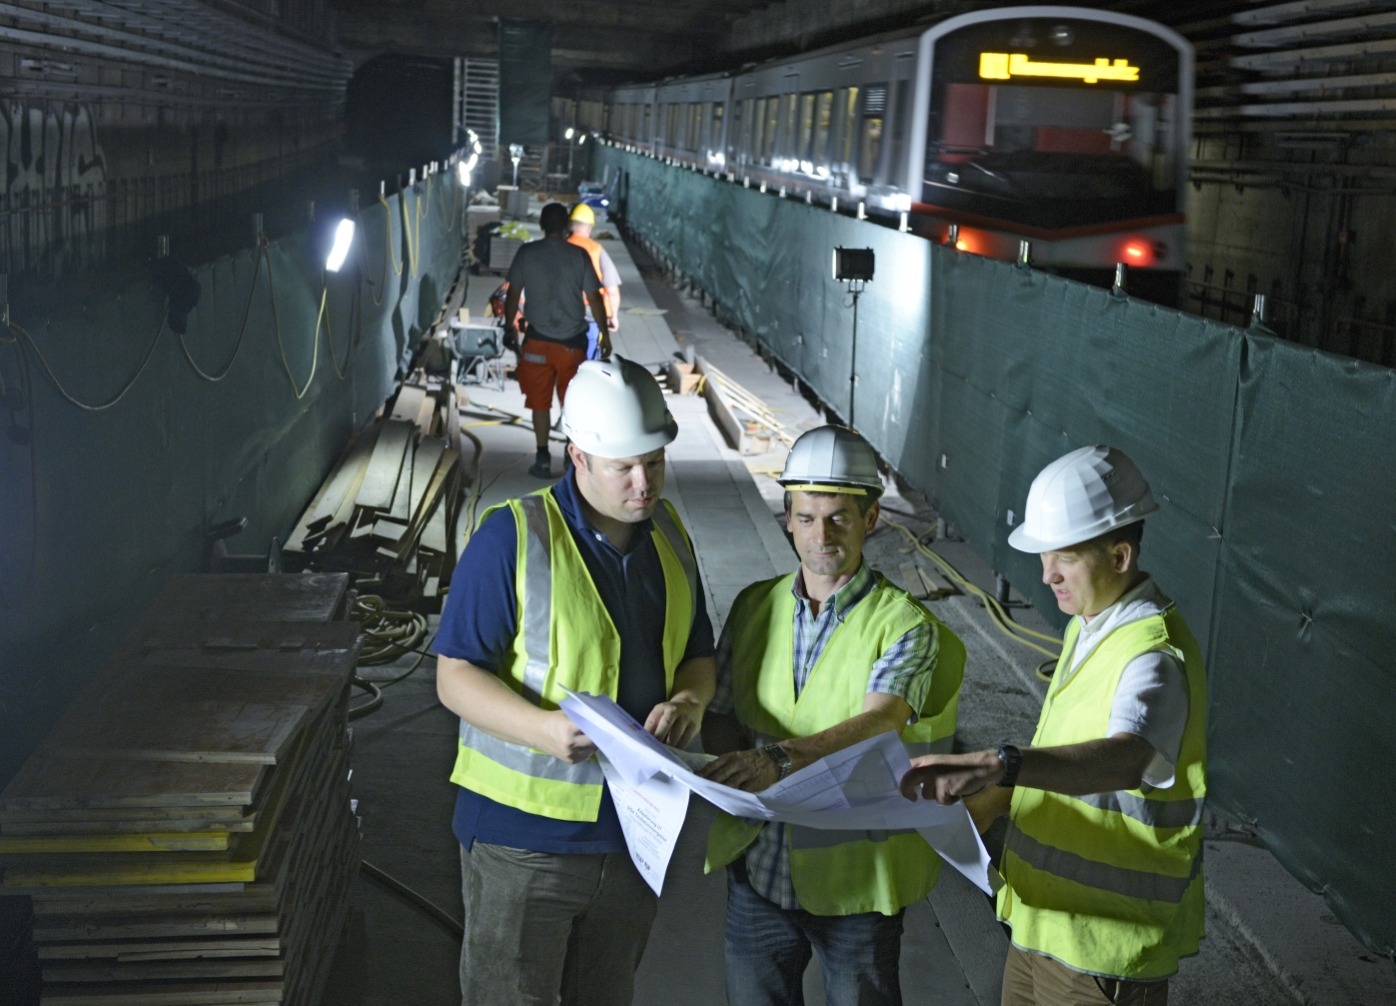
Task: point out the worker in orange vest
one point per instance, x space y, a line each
583 220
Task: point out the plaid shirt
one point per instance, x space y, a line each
904 670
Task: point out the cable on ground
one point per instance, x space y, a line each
446 920
1018 633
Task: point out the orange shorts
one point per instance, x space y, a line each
544 365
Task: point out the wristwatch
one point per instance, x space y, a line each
1012 759
778 755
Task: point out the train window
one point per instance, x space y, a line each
746 112
803 145
768 130
716 116
823 116
694 137
758 130
672 112
848 125
900 114
789 108
870 131
645 125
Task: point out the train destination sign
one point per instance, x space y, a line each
1005 66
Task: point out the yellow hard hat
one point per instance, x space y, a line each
582 214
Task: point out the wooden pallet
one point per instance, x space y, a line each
223 736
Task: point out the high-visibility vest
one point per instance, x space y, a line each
594 250
566 638
1111 883
836 872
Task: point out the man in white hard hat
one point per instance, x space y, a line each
811 663
1103 859
589 585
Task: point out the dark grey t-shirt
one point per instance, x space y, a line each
552 276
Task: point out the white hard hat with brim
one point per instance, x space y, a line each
1081 496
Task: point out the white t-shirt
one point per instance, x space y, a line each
1151 700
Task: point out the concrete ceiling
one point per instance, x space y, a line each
598 38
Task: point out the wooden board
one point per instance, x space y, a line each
174 926
294 637
66 783
423 467
385 466
408 404
401 508
438 482
164 950
248 597
196 841
226 732
222 993
327 498
102 971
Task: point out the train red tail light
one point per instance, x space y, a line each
1137 252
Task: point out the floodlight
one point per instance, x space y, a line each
569 134
463 170
339 251
854 264
581 139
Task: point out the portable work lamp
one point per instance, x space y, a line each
853 267
339 251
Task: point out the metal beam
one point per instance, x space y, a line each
1316 32
1297 85
1318 54
1281 109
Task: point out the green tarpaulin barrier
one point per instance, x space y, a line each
111 503
1272 464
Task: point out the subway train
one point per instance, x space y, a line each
1062 126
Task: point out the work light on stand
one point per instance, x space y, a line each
853 267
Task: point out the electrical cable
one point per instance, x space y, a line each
281 345
447 921
388 231
997 614
43 362
237 348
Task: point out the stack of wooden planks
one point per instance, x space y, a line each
185 831
387 510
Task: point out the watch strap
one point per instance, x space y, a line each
780 756
1012 758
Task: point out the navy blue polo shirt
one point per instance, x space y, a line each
481 619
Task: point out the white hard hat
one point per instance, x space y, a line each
1082 495
614 409
830 459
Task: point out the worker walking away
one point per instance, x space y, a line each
583 221
556 277
591 585
1103 859
811 663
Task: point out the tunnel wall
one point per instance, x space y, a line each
110 503
1272 463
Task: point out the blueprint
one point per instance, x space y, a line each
855 789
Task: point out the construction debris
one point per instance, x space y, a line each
185 832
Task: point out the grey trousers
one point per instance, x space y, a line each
543 929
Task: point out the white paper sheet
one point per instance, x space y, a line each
853 789
651 815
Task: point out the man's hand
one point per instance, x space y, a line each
565 741
947 778
987 806
603 344
751 770
677 721
613 324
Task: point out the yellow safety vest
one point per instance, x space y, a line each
836 872
1111 883
566 638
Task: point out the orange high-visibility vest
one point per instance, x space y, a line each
594 250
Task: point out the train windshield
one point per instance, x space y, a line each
1054 123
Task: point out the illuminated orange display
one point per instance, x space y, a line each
1006 66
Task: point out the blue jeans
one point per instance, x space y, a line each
769 947
593 341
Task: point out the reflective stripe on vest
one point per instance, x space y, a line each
1110 883
515 774
841 872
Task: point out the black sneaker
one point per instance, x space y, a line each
542 467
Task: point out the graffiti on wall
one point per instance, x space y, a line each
54 171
